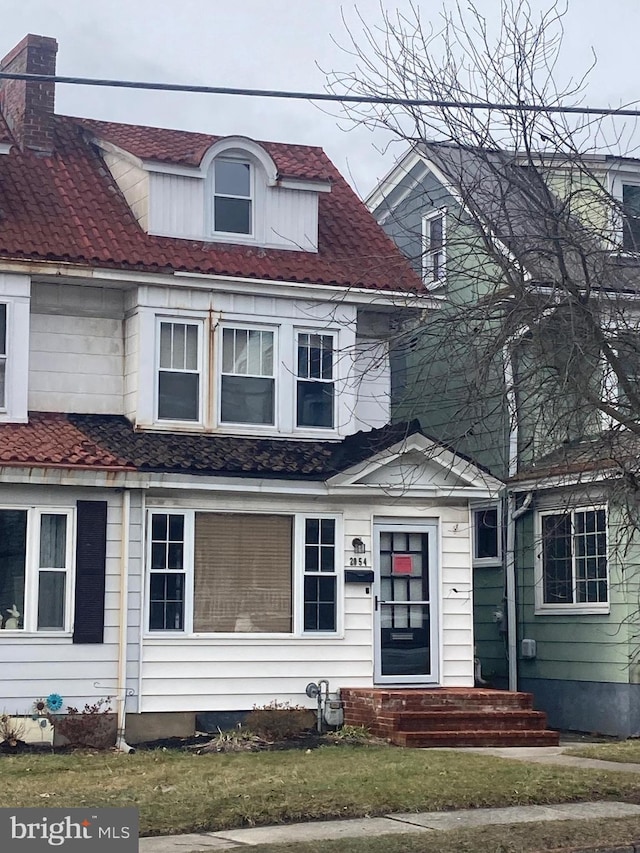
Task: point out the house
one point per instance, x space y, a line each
203 507
530 367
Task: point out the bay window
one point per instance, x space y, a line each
574 560
35 567
315 386
179 369
247 387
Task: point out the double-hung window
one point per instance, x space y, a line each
179 371
35 569
3 356
232 203
433 247
320 579
574 561
247 382
315 385
167 572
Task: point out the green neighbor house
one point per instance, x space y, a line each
530 368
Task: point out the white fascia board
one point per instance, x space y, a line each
434 452
110 148
5 147
557 481
410 493
58 271
304 184
392 179
173 169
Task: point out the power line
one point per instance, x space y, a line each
382 100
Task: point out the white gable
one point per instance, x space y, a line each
419 466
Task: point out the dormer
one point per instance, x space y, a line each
235 194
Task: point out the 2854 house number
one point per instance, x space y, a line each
357 561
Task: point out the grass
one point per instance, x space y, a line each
180 792
626 751
518 838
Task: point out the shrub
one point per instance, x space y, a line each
280 720
92 727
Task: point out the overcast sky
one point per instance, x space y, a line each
274 44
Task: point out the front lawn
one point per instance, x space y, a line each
626 751
182 792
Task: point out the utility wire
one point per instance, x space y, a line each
320 96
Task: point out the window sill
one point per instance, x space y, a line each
487 563
163 637
573 610
19 633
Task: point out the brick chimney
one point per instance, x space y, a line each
28 105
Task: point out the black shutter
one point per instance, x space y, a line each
91 552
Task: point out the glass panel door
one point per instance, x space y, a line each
406 617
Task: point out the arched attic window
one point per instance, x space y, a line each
238 173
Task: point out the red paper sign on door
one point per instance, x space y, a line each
402 564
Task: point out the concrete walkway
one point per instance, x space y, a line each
395 824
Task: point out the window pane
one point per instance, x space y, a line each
51 598
315 404
556 556
435 233
486 532
233 178
328 531
232 215
247 400
631 217
178 396
3 329
166 336
312 531
191 348
228 344
13 537
53 541
167 541
166 598
319 603
3 370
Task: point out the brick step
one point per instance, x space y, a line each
380 701
428 721
475 738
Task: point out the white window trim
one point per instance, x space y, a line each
278 375
32 572
233 236
617 182
202 372
300 574
188 557
297 582
427 253
337 388
579 608
15 294
479 562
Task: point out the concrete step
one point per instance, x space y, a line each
517 737
495 720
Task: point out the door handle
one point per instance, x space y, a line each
375 602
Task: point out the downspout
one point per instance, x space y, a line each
121 743
513 515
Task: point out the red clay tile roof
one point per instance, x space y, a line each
110 442
52 439
67 208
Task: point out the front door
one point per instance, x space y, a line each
406 596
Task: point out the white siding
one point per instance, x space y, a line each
32 666
131 366
291 219
283 218
75 364
229 673
372 379
177 206
133 182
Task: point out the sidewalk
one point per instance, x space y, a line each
395 824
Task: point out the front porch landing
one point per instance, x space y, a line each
447 716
